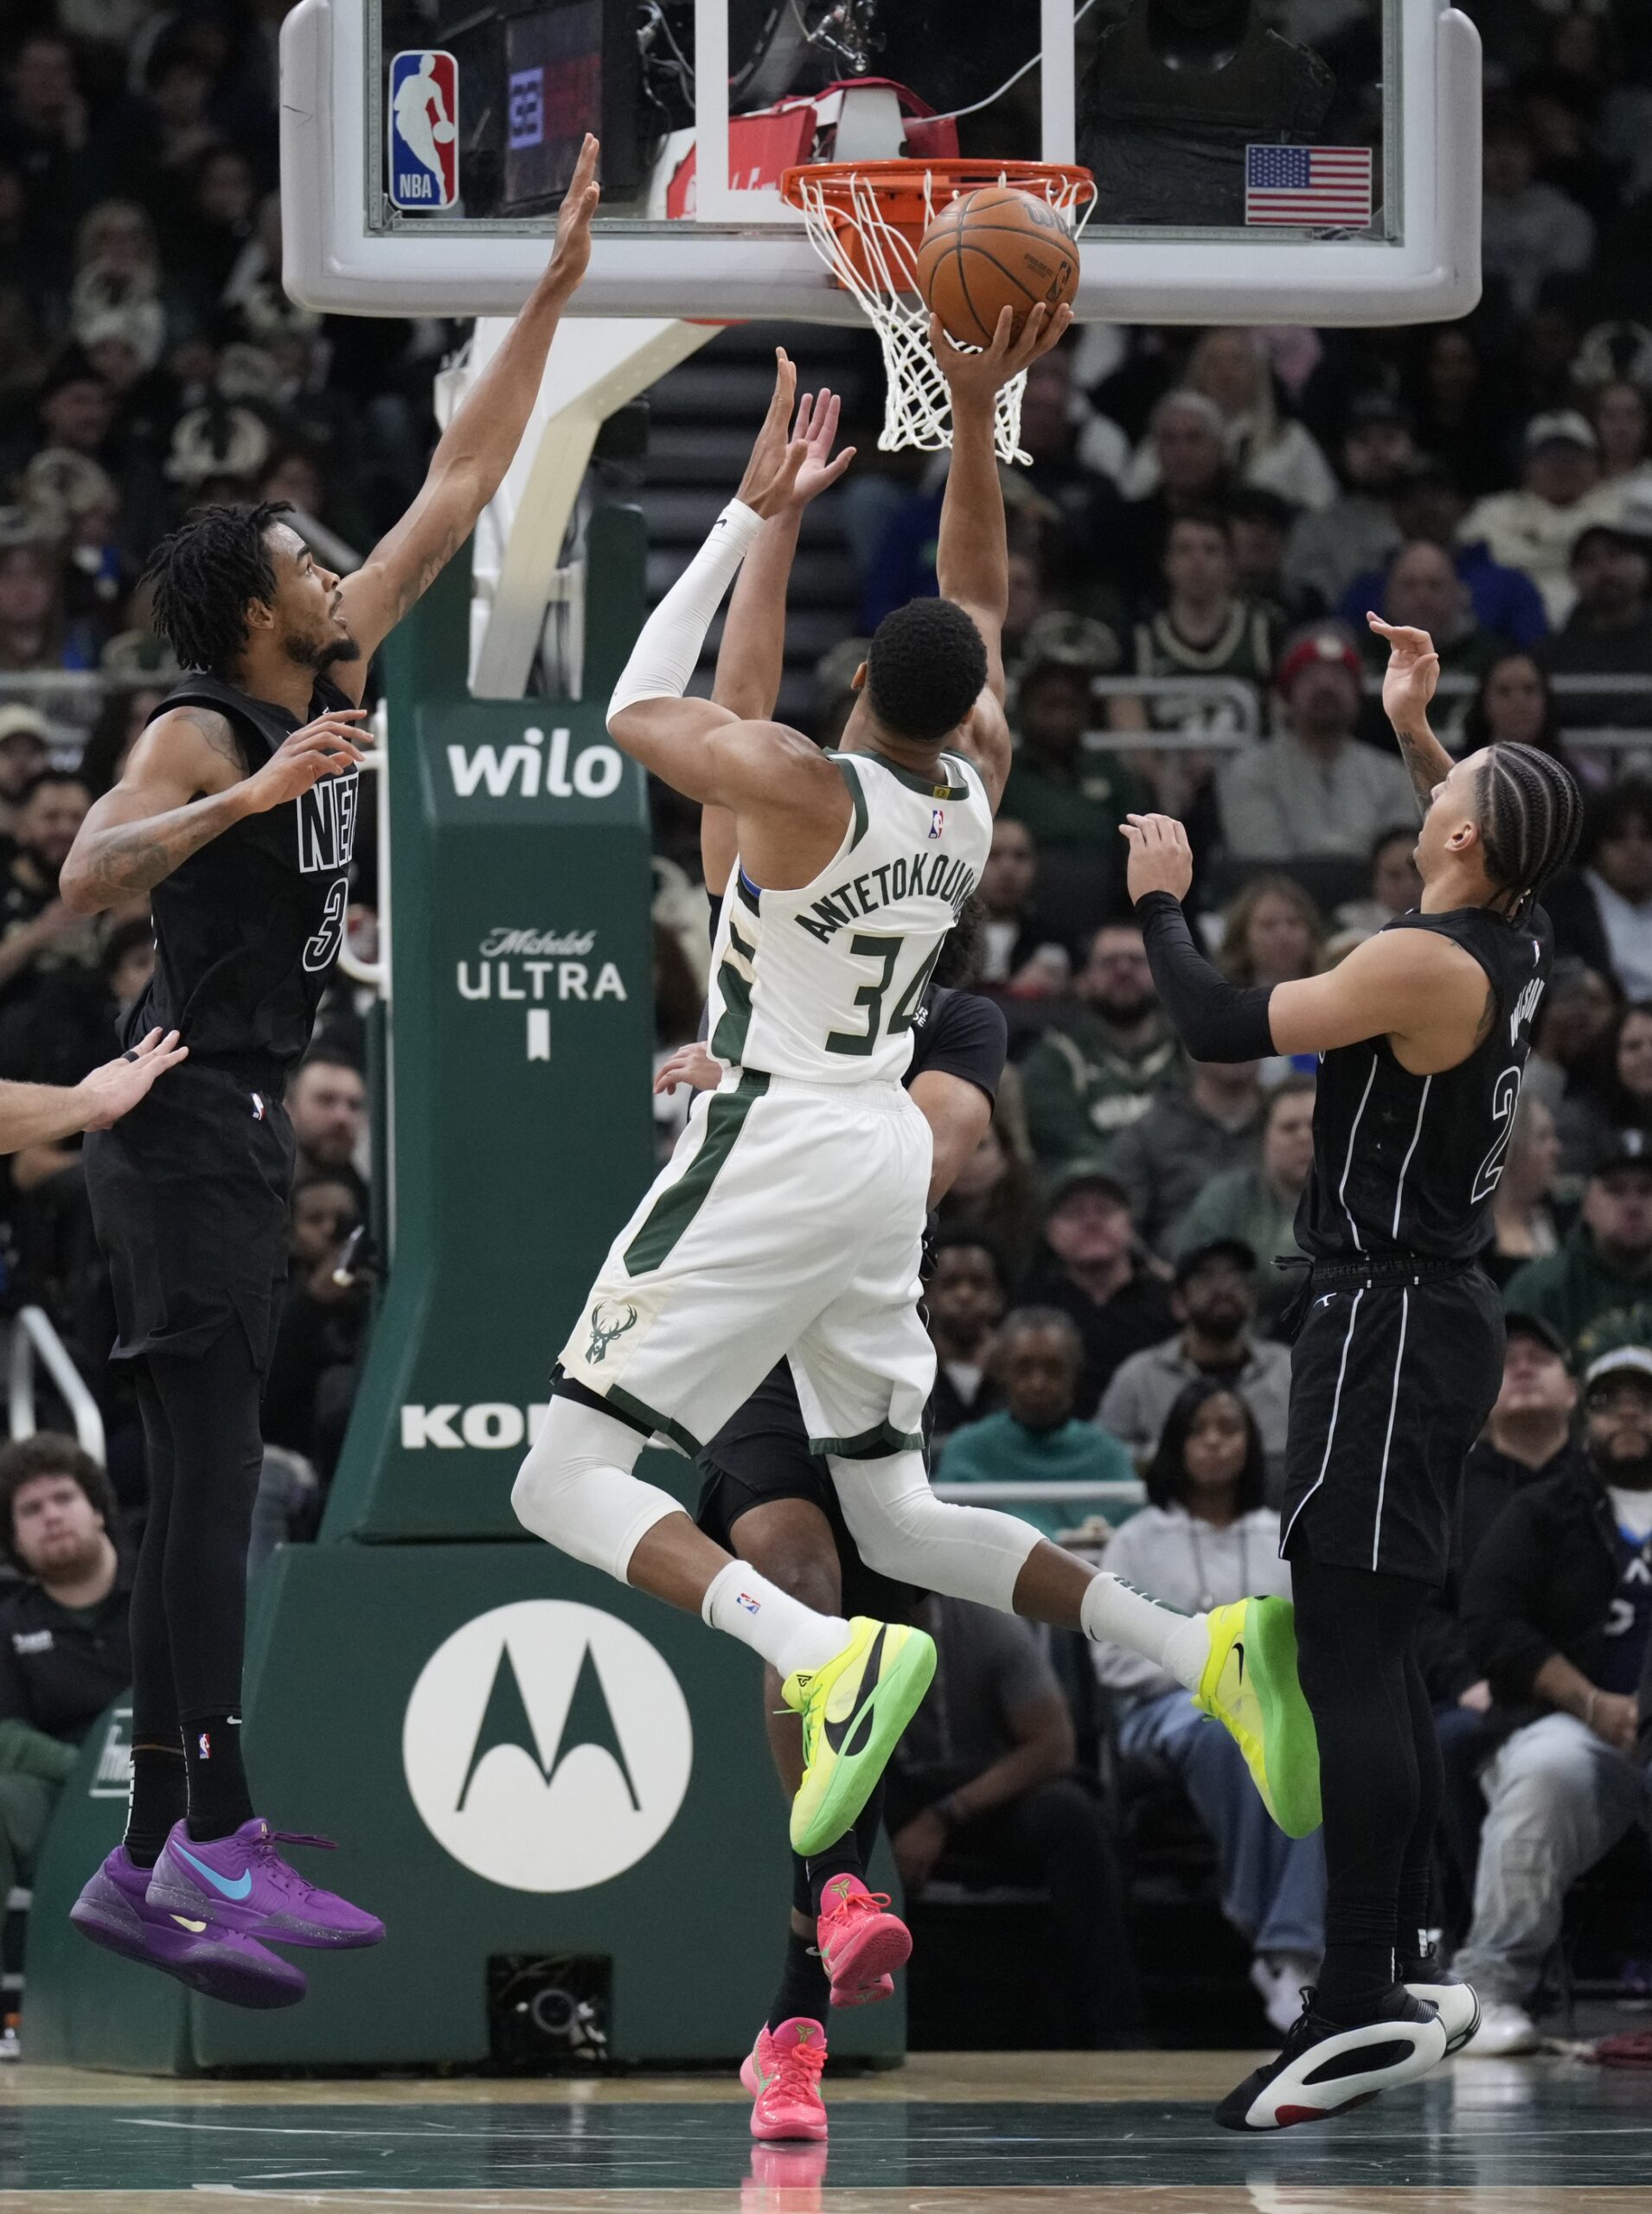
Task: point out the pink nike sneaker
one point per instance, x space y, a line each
782 2073
241 1882
861 1942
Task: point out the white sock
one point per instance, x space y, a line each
787 1634
1115 1613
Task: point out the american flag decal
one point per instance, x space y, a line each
1313 186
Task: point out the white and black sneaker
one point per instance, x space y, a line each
1453 2000
1327 2067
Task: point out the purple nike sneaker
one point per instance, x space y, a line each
241 1882
114 1911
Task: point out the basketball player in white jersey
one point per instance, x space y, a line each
789 1220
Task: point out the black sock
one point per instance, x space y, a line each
219 1800
843 1859
806 1988
156 1800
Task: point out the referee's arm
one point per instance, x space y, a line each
34 1114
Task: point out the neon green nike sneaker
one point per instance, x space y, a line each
1250 1685
854 1709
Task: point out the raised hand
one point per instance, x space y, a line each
978 376
1413 671
815 428
1161 860
571 256
328 747
770 478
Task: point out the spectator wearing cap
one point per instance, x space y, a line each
1557 1606
1067 795
1534 526
1207 1538
64 1650
25 739
1216 1300
1037 1361
1423 590
1528 1438
1608 631
1202 629
1428 504
1025 954
1529 230
1357 532
1602 907
1256 1207
1093 1269
1165 1160
1313 788
1097 1071
1605 1264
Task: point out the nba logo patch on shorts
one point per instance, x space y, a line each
422 130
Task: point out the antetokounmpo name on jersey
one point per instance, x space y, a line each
931 876
327 824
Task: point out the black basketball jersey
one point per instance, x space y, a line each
1405 1163
246 930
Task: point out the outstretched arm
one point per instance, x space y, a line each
476 448
1408 685
973 557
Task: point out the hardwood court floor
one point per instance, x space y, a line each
971 2133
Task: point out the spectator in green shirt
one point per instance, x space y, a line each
1094 1072
1066 795
1604 1264
1034 1437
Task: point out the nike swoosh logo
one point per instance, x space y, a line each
235 1887
184 1923
859 1723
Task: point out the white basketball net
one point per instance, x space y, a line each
917 406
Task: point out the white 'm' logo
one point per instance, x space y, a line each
547 1746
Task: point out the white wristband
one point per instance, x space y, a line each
668 646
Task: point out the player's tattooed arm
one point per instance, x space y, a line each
1407 688
184 786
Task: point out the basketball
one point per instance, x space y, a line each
442 133
995 249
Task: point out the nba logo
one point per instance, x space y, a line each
203 1746
936 821
424 126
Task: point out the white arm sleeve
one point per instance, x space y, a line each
667 645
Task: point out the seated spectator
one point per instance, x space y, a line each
1066 795
1560 493
327 1107
1612 1089
1206 1539
64 1653
1463 404
38 932
1357 532
1265 447
1091 1270
1608 631
1313 788
996 1192
965 1300
1258 1206
24 739
1529 230
1603 1267
45 123
322 1320
1216 1299
981 1787
1034 1437
1396 887
1620 415
1421 588
1165 1160
1557 1605
1272 933
1182 464
1523 1227
1204 629
1572 1017
34 633
1429 504
1097 1071
1024 953
1526 1437
1260 523
1602 907
1512 706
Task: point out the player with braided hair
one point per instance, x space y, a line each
1422 1035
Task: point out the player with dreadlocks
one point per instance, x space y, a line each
1422 1033
235 816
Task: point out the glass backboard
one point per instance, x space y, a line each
1256 160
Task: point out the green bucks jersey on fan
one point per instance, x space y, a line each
824 983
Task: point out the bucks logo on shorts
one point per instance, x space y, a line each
603 1334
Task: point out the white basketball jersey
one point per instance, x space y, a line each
824 983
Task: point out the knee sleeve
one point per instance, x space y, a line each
576 1489
905 1532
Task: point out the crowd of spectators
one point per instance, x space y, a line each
1205 520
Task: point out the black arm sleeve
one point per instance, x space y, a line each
1215 1021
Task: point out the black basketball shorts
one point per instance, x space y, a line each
1391 1380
